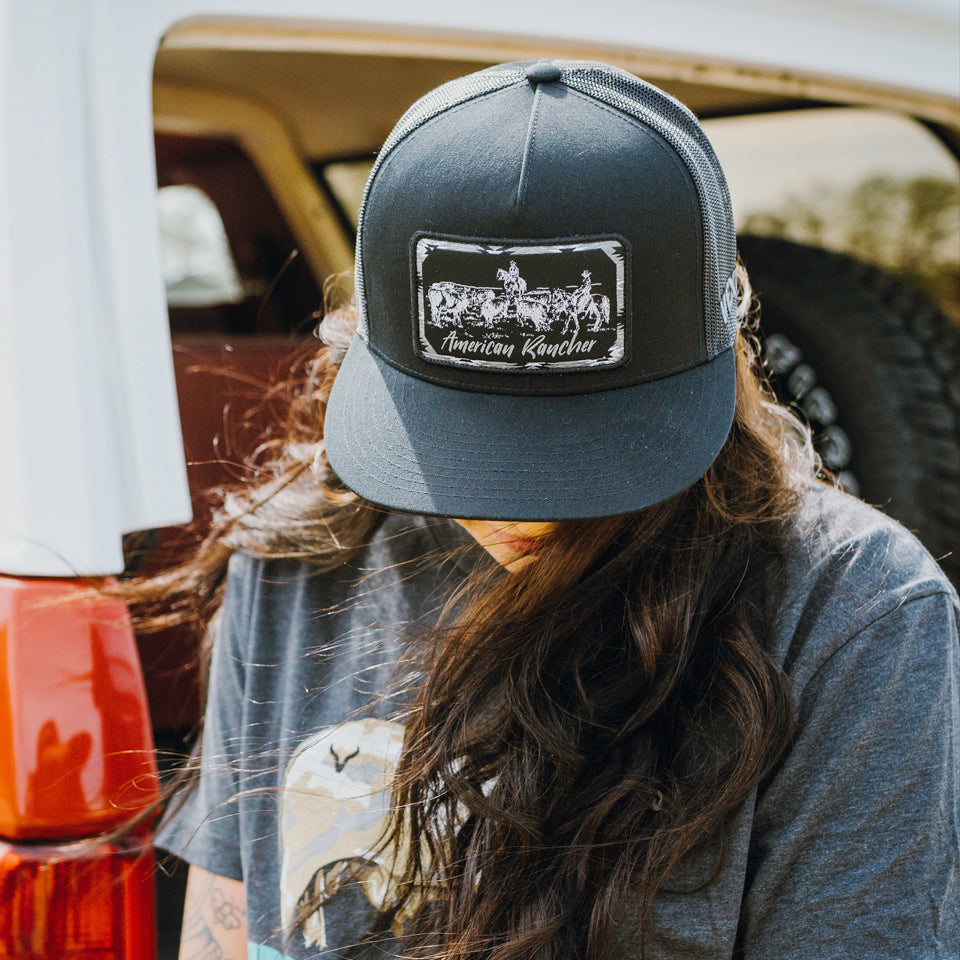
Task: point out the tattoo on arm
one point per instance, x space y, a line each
214 918
226 913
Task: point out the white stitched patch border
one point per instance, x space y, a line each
527 307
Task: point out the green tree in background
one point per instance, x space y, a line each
910 227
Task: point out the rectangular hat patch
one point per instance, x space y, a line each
540 306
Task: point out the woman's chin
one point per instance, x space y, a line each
501 540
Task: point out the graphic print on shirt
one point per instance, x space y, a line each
523 307
334 806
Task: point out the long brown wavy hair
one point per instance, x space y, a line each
586 722
581 725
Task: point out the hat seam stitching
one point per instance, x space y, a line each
383 159
387 161
528 146
689 180
666 148
689 140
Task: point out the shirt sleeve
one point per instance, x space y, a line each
205 829
855 843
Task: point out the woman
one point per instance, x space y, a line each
700 705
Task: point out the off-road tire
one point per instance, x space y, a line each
874 366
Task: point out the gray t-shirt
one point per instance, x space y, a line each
849 849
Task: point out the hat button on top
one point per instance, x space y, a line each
544 71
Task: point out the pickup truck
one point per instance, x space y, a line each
178 184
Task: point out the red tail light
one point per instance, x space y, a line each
76 760
62 904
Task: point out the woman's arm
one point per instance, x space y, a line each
214 918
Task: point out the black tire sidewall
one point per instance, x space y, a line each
854 326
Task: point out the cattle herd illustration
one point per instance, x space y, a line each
513 306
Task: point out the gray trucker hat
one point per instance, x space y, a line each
547 301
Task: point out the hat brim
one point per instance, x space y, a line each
411 445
